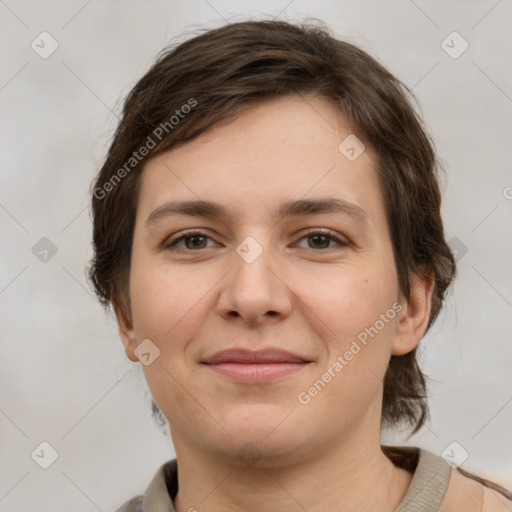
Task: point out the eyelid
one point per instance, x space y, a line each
323 231
168 243
184 234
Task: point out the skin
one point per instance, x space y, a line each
308 295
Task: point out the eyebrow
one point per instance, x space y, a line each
209 209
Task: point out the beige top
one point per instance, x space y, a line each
435 487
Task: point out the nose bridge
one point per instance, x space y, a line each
254 288
253 259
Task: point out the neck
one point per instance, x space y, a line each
340 478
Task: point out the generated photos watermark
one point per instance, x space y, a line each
342 360
152 140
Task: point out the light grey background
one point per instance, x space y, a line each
64 376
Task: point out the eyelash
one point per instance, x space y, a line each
307 234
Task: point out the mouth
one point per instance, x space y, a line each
248 367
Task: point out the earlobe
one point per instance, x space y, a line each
126 332
414 317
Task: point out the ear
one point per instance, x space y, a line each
413 318
126 331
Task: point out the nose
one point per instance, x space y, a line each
256 289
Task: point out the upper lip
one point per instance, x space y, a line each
244 356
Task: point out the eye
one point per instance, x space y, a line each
194 236
321 237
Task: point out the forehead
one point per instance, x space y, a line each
279 149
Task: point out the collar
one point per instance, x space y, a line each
425 493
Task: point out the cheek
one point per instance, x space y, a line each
358 320
168 306
168 302
346 301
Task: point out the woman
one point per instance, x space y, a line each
267 229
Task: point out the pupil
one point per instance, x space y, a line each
316 237
195 238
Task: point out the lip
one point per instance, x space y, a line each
244 356
248 366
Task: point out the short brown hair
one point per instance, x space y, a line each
221 72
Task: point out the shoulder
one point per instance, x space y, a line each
435 485
467 494
133 505
159 493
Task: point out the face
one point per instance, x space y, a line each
306 297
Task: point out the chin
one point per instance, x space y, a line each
256 420
273 444
245 450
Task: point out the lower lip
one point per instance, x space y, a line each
255 373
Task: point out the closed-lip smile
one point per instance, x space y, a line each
248 366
